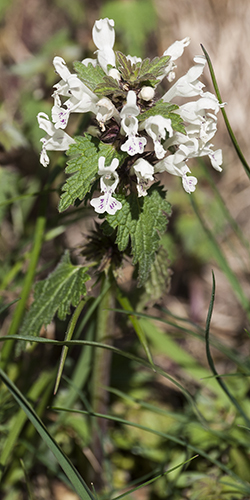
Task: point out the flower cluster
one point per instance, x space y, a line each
155 134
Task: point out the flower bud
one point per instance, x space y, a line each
147 93
114 73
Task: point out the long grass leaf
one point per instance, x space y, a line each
153 479
76 480
115 350
18 421
137 325
68 336
211 363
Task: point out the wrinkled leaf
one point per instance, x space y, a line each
141 221
61 289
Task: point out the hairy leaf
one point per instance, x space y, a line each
84 167
90 75
153 69
145 71
158 280
61 289
109 86
124 65
142 221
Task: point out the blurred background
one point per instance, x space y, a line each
32 32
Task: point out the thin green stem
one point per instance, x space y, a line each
101 371
211 363
68 336
230 131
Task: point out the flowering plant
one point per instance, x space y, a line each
137 135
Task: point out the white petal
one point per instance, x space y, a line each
216 159
189 183
106 203
130 108
106 110
59 142
177 48
106 56
44 159
103 33
144 168
134 145
45 123
60 117
129 125
89 60
61 68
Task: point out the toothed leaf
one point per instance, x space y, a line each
141 221
144 72
54 295
109 86
90 75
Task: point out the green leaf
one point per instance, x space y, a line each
143 221
165 109
124 65
84 166
153 69
62 288
90 75
109 86
146 71
158 280
72 473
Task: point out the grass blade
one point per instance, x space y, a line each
76 480
210 359
68 336
230 131
153 479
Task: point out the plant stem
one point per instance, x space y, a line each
101 372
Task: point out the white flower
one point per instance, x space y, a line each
129 125
130 108
109 177
188 85
156 127
105 111
106 203
108 183
174 51
70 85
144 172
175 164
55 140
103 34
81 98
177 48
